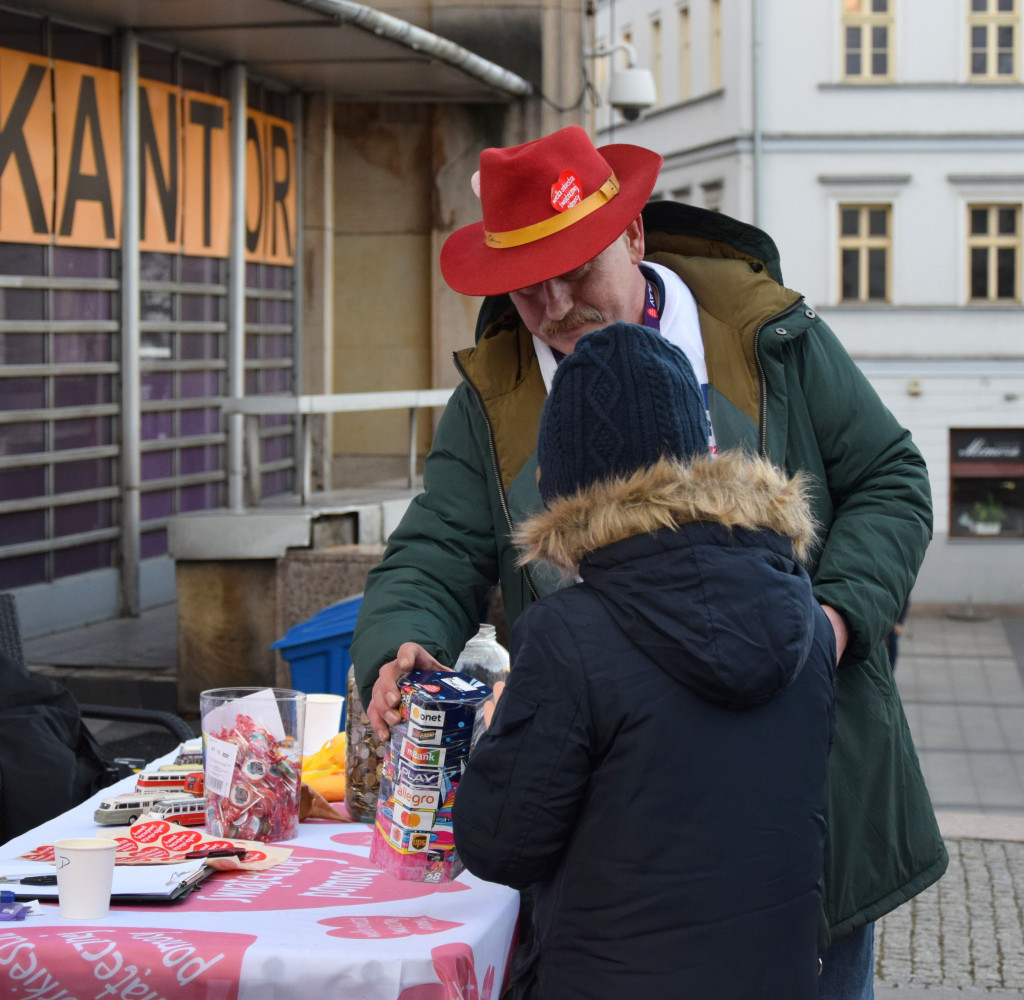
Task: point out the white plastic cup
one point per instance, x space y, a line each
323 720
85 874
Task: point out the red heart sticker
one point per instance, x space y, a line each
181 840
565 192
151 831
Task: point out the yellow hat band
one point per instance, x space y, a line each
548 227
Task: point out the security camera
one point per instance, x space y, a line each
632 91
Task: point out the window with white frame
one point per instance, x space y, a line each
867 40
711 192
993 31
865 252
683 54
993 249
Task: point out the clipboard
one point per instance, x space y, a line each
134 885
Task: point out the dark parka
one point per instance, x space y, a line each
656 768
781 385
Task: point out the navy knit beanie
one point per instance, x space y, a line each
625 397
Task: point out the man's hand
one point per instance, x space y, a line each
492 703
383 708
839 627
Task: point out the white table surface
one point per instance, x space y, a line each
325 924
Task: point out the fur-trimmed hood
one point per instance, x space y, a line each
696 563
736 489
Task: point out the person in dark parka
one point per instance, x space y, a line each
656 766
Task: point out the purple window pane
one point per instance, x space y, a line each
200 346
252 310
157 465
202 496
20 484
75 348
22 394
22 258
204 459
81 262
153 543
87 475
86 432
22 303
22 439
279 346
159 504
157 385
204 421
202 270
276 420
252 347
276 483
276 311
82 305
81 517
201 308
82 559
252 383
22 571
275 448
82 390
156 426
252 276
22 526
22 348
278 278
277 380
195 385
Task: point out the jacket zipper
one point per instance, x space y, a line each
762 443
494 462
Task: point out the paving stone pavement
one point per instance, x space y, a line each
962 684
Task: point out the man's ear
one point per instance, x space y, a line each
634 236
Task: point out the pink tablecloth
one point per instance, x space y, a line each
325 924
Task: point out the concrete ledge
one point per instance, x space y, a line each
980 826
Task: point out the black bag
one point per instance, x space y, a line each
49 761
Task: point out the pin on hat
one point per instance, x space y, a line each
549 206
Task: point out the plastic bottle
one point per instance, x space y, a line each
364 758
484 657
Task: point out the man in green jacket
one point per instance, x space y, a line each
567 246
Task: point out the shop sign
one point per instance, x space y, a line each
987 451
61 174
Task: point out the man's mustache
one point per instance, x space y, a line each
572 319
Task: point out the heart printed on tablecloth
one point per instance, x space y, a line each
309 878
377 926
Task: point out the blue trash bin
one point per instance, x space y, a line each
318 650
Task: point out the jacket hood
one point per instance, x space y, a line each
698 563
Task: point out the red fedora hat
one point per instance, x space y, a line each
549 206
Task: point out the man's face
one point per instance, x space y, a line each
609 288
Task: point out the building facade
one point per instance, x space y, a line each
879 142
219 199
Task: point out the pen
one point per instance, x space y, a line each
237 852
30 879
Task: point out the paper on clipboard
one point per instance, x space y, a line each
132 883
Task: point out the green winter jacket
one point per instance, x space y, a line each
781 384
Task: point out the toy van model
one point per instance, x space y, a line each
169 780
123 810
185 811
